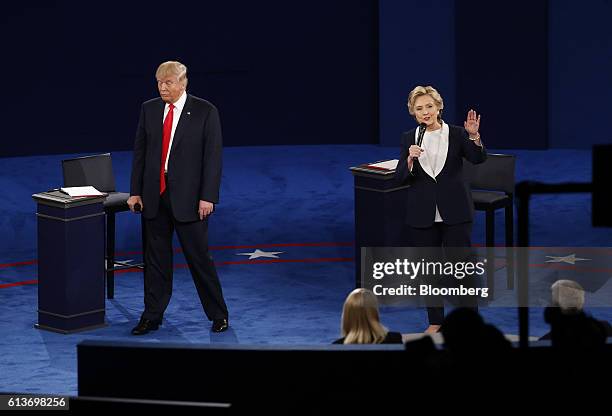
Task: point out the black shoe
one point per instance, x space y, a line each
145 326
220 325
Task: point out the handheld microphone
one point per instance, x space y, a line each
422 128
137 207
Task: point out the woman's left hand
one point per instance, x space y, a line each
472 124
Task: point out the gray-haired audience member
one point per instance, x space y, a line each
570 325
567 295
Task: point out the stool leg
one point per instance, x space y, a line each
110 255
509 214
490 243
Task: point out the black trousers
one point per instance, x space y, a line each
193 237
442 235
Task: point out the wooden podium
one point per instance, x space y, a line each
379 211
70 262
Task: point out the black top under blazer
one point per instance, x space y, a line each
449 190
194 166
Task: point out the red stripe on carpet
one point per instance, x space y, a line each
178 250
220 263
19 263
241 247
267 261
25 282
581 268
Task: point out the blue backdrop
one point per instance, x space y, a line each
320 72
580 64
416 48
280 72
539 71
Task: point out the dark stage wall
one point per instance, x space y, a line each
538 71
580 72
319 72
74 73
502 70
477 54
416 48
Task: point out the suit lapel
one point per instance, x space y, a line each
183 121
157 126
450 149
424 160
443 150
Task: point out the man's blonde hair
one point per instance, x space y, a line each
419 91
360 319
172 68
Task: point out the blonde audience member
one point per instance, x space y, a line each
361 321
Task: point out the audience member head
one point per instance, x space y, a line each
568 295
465 331
360 319
462 328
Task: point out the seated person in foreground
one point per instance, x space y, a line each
567 318
466 333
361 321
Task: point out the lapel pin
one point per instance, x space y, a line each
188 113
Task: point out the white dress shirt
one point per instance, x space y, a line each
178 109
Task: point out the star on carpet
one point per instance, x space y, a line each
570 259
258 253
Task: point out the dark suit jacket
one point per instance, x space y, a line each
605 327
194 166
448 190
391 338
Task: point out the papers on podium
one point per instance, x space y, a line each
81 191
384 167
387 164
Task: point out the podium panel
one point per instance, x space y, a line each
70 262
380 209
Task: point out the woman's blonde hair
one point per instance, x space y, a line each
172 68
360 319
419 91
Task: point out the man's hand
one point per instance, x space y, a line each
205 209
133 200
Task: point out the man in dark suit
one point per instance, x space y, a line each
176 174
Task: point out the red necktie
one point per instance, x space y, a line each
165 147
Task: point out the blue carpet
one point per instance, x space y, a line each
285 199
